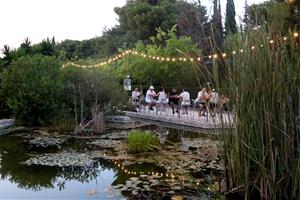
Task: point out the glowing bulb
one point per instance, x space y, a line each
180 59
173 59
241 50
162 58
168 59
296 34
209 56
234 52
157 58
184 59
199 59
215 56
261 45
224 55
271 41
192 59
253 47
285 38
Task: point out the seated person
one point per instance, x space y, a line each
150 97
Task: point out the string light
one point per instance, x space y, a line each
167 59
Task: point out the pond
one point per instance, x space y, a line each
109 176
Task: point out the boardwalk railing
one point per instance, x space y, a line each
220 119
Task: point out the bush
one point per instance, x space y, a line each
141 141
33 90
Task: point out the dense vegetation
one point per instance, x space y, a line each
141 141
262 155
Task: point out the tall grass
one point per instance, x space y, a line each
140 141
263 153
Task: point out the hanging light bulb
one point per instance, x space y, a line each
296 34
199 59
233 52
224 55
215 55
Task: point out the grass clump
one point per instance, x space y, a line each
263 152
140 141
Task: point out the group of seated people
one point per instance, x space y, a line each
207 100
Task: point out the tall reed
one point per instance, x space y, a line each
263 153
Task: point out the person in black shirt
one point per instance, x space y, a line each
174 100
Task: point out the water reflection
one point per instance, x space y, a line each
162 134
13 152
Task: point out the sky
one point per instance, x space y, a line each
66 19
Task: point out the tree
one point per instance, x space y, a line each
230 23
139 19
147 71
33 90
216 27
192 21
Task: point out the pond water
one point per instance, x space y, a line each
20 181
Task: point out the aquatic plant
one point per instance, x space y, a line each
262 155
140 141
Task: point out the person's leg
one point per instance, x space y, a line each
172 106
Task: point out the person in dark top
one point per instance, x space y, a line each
174 100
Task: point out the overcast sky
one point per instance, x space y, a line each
65 19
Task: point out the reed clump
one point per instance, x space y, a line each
262 155
140 141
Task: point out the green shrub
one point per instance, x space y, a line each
141 141
33 90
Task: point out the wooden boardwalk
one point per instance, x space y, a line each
192 119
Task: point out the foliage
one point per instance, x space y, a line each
89 86
268 15
33 90
230 23
148 71
141 141
139 19
263 152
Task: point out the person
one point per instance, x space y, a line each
135 98
174 100
185 100
150 97
162 99
213 102
203 96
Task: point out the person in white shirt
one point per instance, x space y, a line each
185 100
150 97
135 98
162 100
213 101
